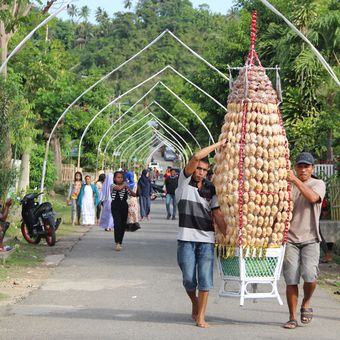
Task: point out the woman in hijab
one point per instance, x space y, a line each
99 185
144 191
106 219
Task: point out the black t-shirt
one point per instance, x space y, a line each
171 184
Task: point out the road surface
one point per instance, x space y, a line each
98 293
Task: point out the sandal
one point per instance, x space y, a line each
291 324
306 315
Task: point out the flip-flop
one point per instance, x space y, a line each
291 324
306 315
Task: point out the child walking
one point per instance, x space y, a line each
119 206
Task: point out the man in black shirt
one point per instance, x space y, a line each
171 183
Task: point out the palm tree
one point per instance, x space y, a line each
84 13
128 4
72 11
98 14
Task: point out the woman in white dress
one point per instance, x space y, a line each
88 199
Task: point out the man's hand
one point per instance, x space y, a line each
219 221
291 177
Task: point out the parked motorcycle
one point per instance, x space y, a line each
38 220
157 191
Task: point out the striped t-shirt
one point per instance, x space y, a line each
194 208
121 193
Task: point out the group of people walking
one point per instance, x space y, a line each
111 202
199 213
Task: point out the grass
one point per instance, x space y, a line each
28 255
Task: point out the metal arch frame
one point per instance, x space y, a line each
136 87
125 63
131 119
146 143
139 139
187 80
127 128
134 134
165 140
165 126
176 96
105 77
155 149
176 145
172 116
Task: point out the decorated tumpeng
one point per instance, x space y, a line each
250 179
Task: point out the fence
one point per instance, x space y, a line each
324 170
334 198
67 172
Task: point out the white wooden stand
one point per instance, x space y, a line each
254 270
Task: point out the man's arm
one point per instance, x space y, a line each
219 220
193 162
307 192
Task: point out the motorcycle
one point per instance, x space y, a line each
157 191
38 220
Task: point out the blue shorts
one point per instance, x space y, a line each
196 260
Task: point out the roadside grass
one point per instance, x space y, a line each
29 255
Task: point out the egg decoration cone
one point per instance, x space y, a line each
251 168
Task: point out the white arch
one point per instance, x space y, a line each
144 144
132 118
136 87
156 148
174 144
162 124
121 116
139 139
105 77
137 132
165 143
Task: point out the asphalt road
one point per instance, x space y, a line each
98 293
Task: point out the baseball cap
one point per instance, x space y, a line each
305 158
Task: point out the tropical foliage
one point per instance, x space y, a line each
63 60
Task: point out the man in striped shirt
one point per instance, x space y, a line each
198 209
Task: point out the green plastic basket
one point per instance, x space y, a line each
255 267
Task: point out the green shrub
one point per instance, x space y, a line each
37 159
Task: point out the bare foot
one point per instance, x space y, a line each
194 312
202 323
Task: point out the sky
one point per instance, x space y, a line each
111 6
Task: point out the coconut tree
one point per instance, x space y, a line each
84 13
